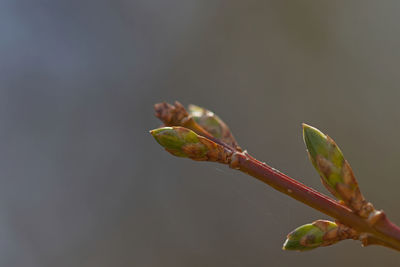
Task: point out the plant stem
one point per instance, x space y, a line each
379 227
374 228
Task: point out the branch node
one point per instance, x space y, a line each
235 161
375 217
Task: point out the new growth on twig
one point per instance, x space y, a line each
201 135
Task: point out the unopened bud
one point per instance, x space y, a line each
320 233
182 142
212 124
336 173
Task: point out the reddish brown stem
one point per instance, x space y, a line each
380 228
376 229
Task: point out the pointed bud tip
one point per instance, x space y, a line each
293 247
309 130
157 131
316 141
173 137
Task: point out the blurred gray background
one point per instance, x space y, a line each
84 184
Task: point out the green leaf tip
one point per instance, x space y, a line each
182 142
212 124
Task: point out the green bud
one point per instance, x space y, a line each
176 139
336 173
321 148
212 124
182 142
309 236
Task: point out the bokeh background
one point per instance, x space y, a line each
84 184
